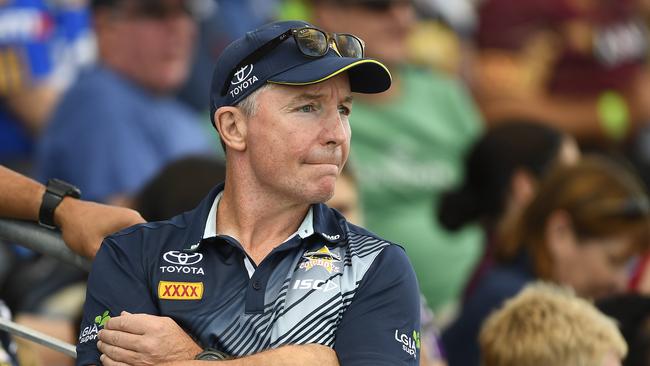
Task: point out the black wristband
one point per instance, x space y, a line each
55 191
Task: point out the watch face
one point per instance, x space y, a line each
212 355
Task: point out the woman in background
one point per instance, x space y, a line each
502 172
582 228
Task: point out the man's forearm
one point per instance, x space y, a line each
293 355
20 197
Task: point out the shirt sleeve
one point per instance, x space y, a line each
116 283
382 324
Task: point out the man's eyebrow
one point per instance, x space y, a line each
307 96
316 96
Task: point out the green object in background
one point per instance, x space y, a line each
407 152
613 114
294 9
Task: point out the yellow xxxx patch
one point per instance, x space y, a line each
180 290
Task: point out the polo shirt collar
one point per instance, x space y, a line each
305 230
320 220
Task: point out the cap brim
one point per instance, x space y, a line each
366 75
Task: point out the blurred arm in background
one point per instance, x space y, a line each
83 224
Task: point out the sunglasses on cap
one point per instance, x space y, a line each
311 42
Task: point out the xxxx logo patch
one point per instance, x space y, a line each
180 290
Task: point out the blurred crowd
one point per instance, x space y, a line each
512 147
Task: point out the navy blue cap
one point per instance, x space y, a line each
288 66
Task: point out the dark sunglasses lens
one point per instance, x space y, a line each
311 42
349 46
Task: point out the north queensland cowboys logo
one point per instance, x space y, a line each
322 257
242 80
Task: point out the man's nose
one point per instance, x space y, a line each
335 131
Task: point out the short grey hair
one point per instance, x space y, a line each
249 106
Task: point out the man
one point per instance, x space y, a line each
126 100
549 325
408 146
261 269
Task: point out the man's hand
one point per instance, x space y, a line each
142 340
84 224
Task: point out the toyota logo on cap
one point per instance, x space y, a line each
184 259
242 74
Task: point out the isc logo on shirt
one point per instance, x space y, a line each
180 290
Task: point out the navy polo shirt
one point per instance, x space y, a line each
331 283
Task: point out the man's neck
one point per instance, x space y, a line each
259 222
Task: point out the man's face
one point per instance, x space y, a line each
155 42
383 25
299 139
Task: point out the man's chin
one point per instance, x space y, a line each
322 195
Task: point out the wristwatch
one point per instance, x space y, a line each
55 191
212 355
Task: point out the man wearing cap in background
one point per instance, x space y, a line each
409 145
262 269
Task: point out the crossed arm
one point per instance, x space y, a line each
142 339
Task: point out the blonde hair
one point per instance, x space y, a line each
548 325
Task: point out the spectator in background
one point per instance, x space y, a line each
118 126
502 172
42 45
346 196
408 146
8 348
221 22
632 313
547 325
583 226
189 178
576 65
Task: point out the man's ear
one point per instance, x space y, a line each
232 126
560 235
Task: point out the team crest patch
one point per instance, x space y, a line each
322 257
180 290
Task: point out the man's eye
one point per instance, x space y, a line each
344 110
307 108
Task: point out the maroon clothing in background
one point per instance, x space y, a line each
618 47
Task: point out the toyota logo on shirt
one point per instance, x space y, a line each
181 258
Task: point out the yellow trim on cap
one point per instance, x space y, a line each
336 73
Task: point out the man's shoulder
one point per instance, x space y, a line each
365 246
152 237
94 81
93 99
358 234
